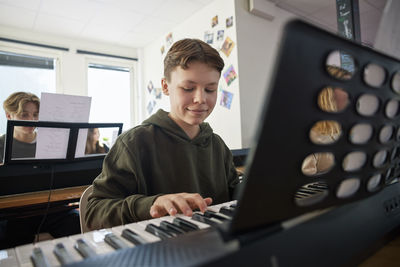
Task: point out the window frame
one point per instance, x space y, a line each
38 52
135 96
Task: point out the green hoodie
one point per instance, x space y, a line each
158 158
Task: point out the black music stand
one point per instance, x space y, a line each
72 140
273 178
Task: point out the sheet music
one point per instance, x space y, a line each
52 143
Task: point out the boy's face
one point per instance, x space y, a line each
192 92
30 113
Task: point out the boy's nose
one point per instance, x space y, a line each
200 96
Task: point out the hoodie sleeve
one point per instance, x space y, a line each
115 199
232 175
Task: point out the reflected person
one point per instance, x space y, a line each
331 100
93 145
21 106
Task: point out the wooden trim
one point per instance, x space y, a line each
41 197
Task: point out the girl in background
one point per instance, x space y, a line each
93 145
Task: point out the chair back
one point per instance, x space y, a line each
82 208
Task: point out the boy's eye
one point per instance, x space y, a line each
210 90
187 89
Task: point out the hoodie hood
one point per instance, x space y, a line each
163 121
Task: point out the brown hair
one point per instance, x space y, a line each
15 102
91 146
185 51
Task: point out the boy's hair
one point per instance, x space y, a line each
14 104
185 51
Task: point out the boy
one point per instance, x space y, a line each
150 166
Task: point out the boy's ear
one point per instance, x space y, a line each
8 116
164 86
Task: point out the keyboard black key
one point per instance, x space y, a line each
83 248
201 218
157 231
227 211
114 241
133 237
62 254
172 227
38 259
213 214
184 224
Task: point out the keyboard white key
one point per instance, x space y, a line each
95 240
8 258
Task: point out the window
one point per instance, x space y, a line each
110 89
21 72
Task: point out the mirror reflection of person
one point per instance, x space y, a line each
93 145
17 231
21 106
325 132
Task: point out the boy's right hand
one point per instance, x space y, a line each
182 202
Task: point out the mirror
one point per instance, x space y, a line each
99 140
333 100
52 143
340 65
325 132
374 75
367 104
24 146
318 163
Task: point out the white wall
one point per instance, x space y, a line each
258 41
224 121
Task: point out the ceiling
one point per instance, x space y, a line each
135 23
131 23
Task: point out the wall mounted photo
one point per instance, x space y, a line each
230 75
226 99
227 46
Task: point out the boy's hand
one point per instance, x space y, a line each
183 202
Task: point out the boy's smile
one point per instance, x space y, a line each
193 95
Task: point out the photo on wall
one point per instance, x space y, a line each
150 86
208 37
168 39
227 46
214 21
220 35
158 92
230 75
229 22
150 106
226 99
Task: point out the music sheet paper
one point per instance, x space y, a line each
52 143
